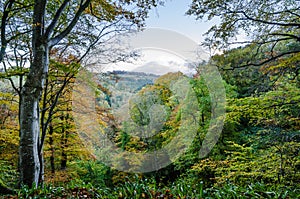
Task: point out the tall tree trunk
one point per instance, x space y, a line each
30 154
29 137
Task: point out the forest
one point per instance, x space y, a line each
156 136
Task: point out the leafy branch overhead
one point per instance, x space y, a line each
269 25
71 24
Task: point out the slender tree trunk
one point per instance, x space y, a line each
42 168
51 143
64 158
64 142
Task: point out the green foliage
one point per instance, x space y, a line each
49 191
92 172
256 190
273 24
137 188
247 81
186 187
146 188
8 175
278 107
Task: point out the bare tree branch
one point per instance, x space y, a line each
286 35
268 22
273 58
56 17
64 33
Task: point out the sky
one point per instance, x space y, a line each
172 16
173 30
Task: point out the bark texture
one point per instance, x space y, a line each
29 135
30 153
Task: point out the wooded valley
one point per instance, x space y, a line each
46 151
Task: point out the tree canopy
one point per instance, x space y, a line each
273 26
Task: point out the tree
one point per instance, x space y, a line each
36 27
269 25
56 106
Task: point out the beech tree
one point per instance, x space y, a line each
35 27
268 26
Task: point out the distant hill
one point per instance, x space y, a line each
122 86
155 68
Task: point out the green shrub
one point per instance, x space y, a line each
92 172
